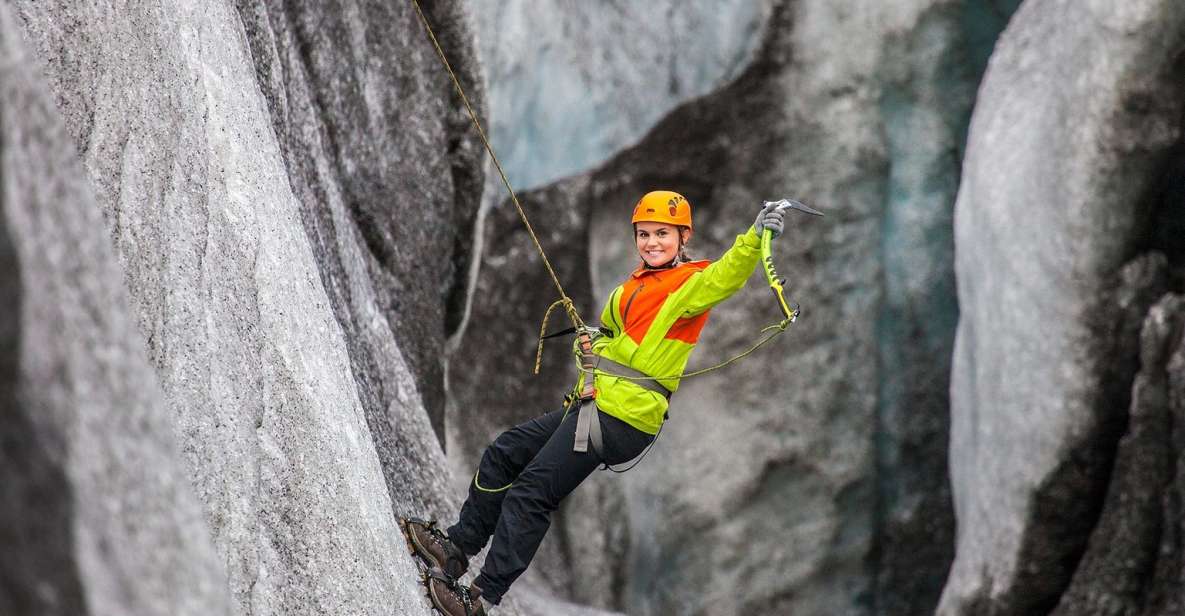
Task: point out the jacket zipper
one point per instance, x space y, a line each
628 303
612 306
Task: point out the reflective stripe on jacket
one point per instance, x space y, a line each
656 317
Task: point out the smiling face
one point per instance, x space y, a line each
658 243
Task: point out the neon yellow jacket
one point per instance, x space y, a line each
656 317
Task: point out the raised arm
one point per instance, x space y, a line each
728 274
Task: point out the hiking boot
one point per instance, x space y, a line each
453 599
431 544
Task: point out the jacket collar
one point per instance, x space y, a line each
643 269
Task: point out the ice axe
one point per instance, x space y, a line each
776 282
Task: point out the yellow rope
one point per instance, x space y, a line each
564 299
543 332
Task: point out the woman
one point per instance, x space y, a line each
651 324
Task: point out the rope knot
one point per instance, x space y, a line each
577 322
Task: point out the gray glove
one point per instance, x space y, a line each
771 217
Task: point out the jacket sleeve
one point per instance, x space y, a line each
719 280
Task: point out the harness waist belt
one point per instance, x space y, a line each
645 380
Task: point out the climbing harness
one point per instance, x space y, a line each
585 335
588 426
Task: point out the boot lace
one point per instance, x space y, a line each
440 538
436 535
466 600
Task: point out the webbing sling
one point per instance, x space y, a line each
585 429
594 435
588 427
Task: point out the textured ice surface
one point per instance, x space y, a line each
572 82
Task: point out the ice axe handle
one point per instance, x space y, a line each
771 274
777 283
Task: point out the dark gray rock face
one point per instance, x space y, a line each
97 515
1133 561
812 478
290 191
1076 123
275 182
390 232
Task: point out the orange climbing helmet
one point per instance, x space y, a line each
663 206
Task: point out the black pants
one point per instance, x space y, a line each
522 477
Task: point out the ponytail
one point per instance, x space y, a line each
682 257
